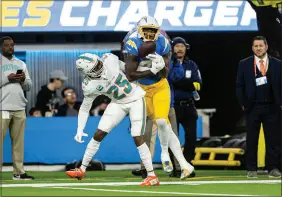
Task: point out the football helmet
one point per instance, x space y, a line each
148 28
90 65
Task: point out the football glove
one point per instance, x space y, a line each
155 57
157 62
197 86
79 135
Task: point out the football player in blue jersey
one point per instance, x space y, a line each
156 86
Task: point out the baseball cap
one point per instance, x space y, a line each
58 74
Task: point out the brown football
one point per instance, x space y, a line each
147 48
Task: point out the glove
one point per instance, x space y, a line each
155 57
157 63
79 135
197 86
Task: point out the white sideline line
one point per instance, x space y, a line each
151 192
137 183
52 168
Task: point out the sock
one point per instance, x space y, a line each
90 151
175 147
163 136
146 158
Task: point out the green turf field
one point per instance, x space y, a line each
123 183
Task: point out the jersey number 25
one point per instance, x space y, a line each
121 88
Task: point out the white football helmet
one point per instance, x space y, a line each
90 65
148 28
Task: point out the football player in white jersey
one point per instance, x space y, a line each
103 76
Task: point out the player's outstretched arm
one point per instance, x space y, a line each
83 113
131 65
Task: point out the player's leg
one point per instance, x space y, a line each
148 140
161 103
17 128
111 117
5 119
137 114
176 167
175 147
162 106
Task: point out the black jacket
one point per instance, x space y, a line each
46 98
62 110
246 83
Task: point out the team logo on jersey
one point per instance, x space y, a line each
132 44
99 88
85 81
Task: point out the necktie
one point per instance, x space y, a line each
262 68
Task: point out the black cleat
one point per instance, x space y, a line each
22 177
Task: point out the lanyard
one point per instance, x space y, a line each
255 66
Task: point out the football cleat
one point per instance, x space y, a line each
185 174
167 166
76 173
150 181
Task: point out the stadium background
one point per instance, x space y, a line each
217 47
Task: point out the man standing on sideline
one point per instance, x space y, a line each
258 89
186 113
14 81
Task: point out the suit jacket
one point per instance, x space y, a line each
246 84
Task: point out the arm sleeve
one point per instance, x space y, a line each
196 75
83 113
176 72
122 66
27 83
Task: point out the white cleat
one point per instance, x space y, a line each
167 166
185 173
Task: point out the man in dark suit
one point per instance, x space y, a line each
258 88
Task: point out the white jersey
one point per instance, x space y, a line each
113 84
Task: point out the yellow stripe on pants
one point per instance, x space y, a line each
261 149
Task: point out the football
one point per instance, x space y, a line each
147 48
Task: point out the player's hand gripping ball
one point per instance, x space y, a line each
149 47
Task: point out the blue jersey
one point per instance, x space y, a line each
132 46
